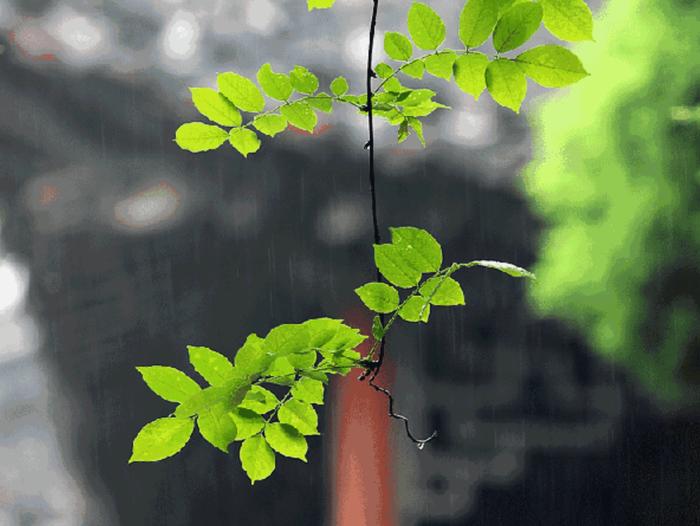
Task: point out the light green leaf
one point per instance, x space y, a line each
259 400
345 338
244 140
470 73
257 458
319 4
508 268
300 415
199 137
270 124
248 423
476 22
302 361
425 26
442 291
339 86
418 247
414 69
281 371
441 65
416 97
397 46
303 80
321 331
308 390
516 26
276 85
241 91
415 309
423 110
286 440
391 262
322 102
216 427
551 66
161 439
379 297
383 70
169 383
300 115
231 392
215 368
286 339
251 359
569 20
417 126
215 107
506 83
402 133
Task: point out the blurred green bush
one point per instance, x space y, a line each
616 177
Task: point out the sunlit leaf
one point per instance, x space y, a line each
300 415
516 26
425 26
257 458
442 291
379 297
286 440
161 439
470 73
506 83
215 368
169 383
397 46
244 140
569 20
216 426
199 137
552 66
215 107
241 91
476 22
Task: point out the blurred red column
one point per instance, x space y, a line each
361 461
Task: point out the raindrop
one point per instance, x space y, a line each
420 445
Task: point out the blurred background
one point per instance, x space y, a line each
571 401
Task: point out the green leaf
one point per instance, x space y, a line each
286 440
476 22
300 415
416 97
231 392
397 46
322 102
301 115
241 91
303 80
569 20
247 422
302 361
199 137
442 291
506 83
425 26
414 69
319 4
379 297
378 330
551 66
470 73
516 26
161 439
391 262
383 70
169 383
339 86
244 140
281 371
286 339
257 458
321 330
215 107
216 427
441 65
270 124
419 248
417 126
402 133
215 368
415 309
259 400
423 110
251 359
308 390
276 85
508 268
345 338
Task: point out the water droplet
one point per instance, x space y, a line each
420 445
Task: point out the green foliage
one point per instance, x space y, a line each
237 406
510 23
616 179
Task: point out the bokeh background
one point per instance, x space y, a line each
571 401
